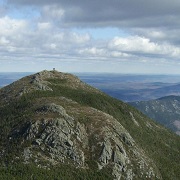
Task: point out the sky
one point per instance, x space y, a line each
117 36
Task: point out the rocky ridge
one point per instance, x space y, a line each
40 81
60 130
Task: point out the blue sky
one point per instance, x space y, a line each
90 36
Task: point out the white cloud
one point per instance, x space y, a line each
18 38
46 40
93 51
44 26
118 54
134 43
4 41
143 46
151 31
9 27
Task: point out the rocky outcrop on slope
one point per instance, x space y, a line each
103 140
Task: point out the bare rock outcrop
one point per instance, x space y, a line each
64 139
39 83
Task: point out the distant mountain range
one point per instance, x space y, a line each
165 110
137 94
130 88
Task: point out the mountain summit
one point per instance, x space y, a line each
54 126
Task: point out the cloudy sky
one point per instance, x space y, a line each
122 36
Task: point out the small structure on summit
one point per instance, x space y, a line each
54 69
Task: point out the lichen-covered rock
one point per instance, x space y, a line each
82 135
56 138
39 83
106 154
